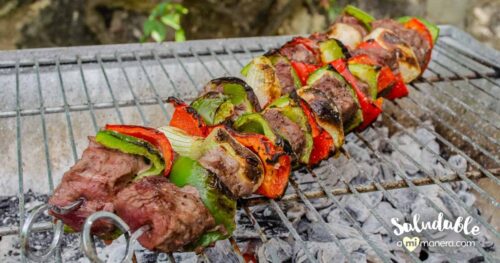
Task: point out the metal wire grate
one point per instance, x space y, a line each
52 99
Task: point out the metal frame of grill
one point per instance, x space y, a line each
458 62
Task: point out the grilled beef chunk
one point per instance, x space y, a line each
239 169
339 93
287 128
96 177
380 55
411 37
298 53
284 73
176 216
218 161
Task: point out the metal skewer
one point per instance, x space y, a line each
58 229
88 244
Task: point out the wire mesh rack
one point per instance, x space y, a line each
51 99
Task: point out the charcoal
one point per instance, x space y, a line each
275 250
356 208
458 163
386 212
221 252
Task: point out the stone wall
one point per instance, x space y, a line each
49 23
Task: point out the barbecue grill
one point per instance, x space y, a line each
51 99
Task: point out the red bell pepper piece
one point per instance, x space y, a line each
399 89
277 164
322 140
371 109
385 80
153 136
423 31
363 59
187 119
303 70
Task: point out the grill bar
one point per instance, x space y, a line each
442 53
450 49
87 96
450 112
19 155
479 115
237 52
108 85
136 101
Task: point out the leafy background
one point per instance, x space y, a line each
49 23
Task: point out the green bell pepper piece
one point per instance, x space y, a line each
361 15
208 105
433 28
223 112
330 50
187 171
316 75
246 68
133 145
254 123
367 74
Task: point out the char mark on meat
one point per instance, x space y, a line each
380 55
240 171
176 216
287 128
96 177
339 93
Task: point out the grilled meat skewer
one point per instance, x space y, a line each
243 137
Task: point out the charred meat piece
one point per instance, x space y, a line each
380 55
411 37
339 93
298 53
96 177
239 169
176 216
287 128
284 73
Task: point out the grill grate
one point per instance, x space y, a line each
62 95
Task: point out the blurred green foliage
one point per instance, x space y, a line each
165 15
